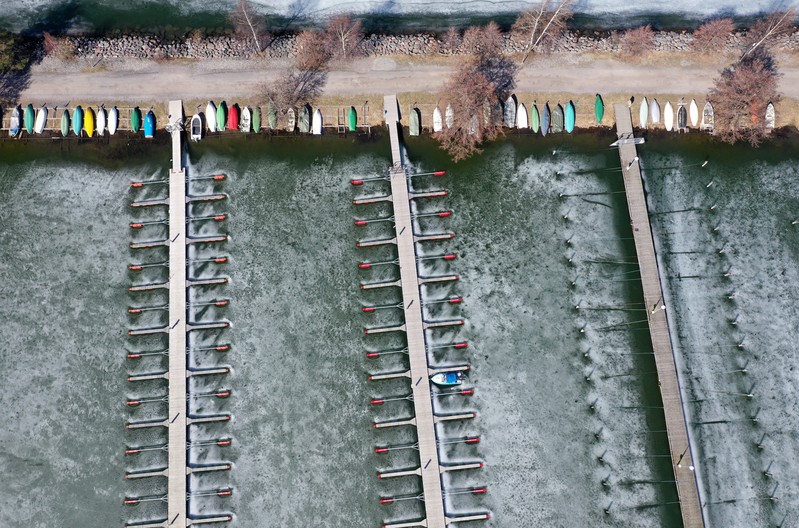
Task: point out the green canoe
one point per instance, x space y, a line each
28 119
65 123
415 127
570 117
271 116
256 119
221 116
135 120
352 119
305 119
535 118
77 120
599 109
557 119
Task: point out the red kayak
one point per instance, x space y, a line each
233 117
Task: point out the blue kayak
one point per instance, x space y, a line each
77 120
149 124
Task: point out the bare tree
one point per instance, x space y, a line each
249 25
466 92
59 47
451 40
637 41
740 96
483 41
312 50
344 35
766 30
543 23
712 35
295 87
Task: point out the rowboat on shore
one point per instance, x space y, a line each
246 120
497 113
352 118
135 120
535 118
149 125
210 116
316 123
196 127
65 123
101 121
438 122
693 110
570 117
305 119
522 120
668 116
546 117
770 116
447 379
41 120
510 111
708 118
474 122
77 120
449 116
557 119
271 116
415 125
88 121
291 120
28 119
13 125
221 116
654 112
233 117
643 114
599 109
256 119
682 118
113 120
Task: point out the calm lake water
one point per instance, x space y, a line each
568 408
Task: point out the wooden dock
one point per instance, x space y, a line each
177 423
679 445
415 328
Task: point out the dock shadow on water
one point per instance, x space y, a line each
568 409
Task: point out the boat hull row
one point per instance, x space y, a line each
221 117
80 122
511 115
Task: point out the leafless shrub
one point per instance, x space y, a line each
637 41
483 41
312 50
59 47
713 35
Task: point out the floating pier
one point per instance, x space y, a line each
668 381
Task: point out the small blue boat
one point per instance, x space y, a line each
447 379
77 120
149 125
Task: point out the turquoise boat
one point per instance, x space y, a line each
221 116
599 109
65 123
149 125
557 119
545 119
352 119
256 119
271 116
77 120
135 120
28 119
570 117
535 118
415 122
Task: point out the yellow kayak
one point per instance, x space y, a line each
88 122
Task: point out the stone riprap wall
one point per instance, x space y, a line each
148 46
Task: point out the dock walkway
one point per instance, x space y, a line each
679 445
414 328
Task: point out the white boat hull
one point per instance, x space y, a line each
668 116
196 127
101 121
316 125
113 121
438 122
643 115
246 120
210 116
654 112
449 117
693 113
41 120
510 112
522 117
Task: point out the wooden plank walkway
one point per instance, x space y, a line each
414 327
176 468
681 456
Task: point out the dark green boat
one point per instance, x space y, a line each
557 119
28 118
135 120
352 119
599 109
416 121
221 116
271 116
256 119
65 123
